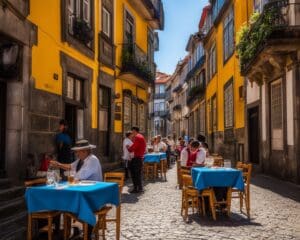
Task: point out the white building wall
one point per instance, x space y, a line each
253 92
289 107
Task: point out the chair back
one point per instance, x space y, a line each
185 170
35 182
116 177
186 180
246 168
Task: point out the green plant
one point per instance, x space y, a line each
252 37
82 31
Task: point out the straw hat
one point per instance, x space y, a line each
82 144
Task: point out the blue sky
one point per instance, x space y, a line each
181 20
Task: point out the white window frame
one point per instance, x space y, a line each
86 12
106 22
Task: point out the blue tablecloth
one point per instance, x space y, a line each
154 157
80 200
204 177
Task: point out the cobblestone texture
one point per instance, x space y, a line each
275 214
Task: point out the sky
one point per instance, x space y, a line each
181 20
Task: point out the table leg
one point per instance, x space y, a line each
229 200
118 223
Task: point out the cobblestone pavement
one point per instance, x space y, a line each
155 214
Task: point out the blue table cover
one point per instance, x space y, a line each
154 157
80 200
204 177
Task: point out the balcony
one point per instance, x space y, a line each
195 93
151 10
197 67
160 113
159 95
135 66
177 88
169 97
270 42
177 107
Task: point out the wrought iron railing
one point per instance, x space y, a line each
198 65
277 15
135 60
160 95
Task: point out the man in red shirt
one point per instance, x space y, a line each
136 164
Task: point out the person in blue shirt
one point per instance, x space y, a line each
63 143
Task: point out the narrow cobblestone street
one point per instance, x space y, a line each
275 214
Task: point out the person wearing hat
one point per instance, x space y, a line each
87 166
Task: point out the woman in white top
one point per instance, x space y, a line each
127 156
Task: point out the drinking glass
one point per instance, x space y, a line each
71 177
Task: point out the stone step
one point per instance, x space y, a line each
13 222
11 193
11 207
4 183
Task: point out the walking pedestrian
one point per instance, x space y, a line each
138 148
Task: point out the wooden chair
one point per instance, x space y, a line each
150 170
46 215
162 169
190 196
246 168
178 165
119 178
183 170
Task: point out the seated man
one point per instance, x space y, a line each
87 166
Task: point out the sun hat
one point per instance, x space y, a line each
82 144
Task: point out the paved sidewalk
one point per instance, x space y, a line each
275 214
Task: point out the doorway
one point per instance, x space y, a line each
253 134
2 126
70 117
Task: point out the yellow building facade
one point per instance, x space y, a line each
136 42
225 91
93 65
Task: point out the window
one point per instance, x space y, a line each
276 115
106 22
129 28
104 119
228 105
214 113
202 117
228 35
74 88
141 123
161 88
212 62
127 113
86 10
71 10
134 114
162 106
259 5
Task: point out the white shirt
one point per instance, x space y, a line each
90 169
184 155
126 154
160 147
201 155
172 144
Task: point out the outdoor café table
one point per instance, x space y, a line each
154 157
204 177
80 199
